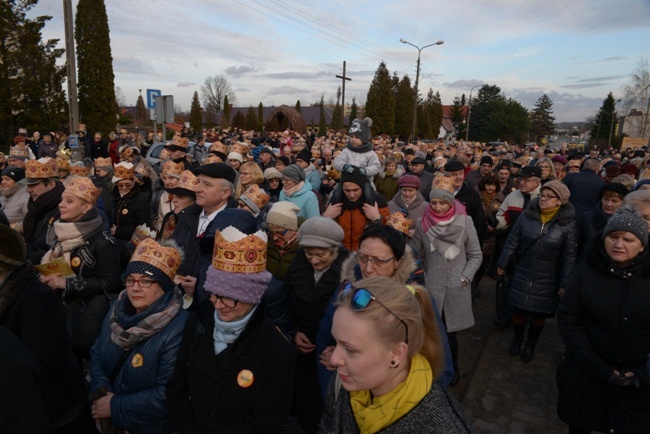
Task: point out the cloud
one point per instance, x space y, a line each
238 71
463 84
185 84
582 86
243 89
286 90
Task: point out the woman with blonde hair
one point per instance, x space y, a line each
249 174
387 356
548 169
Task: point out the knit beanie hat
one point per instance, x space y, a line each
235 156
486 160
283 214
15 173
640 183
157 261
628 221
272 173
615 187
361 128
285 160
408 181
560 190
353 175
304 155
13 251
294 173
320 232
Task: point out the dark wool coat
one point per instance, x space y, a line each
129 212
546 255
470 198
437 413
584 188
203 393
590 226
604 322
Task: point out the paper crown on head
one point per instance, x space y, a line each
141 233
103 162
78 169
125 152
255 198
62 163
123 171
19 152
83 188
171 168
166 259
399 222
43 168
187 184
443 183
237 148
219 147
180 142
236 252
211 159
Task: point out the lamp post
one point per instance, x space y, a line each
611 127
417 79
469 111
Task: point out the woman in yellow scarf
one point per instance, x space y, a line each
387 355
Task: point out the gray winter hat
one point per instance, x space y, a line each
320 232
294 173
628 221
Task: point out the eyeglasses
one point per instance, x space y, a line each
278 234
547 196
142 283
362 297
364 259
226 301
125 186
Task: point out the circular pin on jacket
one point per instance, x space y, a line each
245 378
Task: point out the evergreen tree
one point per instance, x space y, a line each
239 121
542 119
322 122
404 107
457 116
260 117
31 83
141 111
604 122
298 108
337 114
482 123
97 102
196 117
435 115
380 102
353 110
225 115
510 121
251 119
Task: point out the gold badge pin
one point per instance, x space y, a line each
245 378
137 361
125 211
75 262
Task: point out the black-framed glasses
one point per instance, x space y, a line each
142 283
226 301
361 298
278 234
364 259
547 196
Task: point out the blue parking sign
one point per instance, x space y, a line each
151 97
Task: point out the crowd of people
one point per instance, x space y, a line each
283 282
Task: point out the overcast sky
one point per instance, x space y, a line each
279 51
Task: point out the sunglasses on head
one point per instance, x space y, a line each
361 298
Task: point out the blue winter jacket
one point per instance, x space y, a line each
139 404
305 199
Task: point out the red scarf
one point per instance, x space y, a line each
430 218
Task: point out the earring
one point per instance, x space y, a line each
393 364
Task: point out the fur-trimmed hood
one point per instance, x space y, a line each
407 265
565 215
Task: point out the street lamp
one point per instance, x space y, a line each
417 79
469 111
611 127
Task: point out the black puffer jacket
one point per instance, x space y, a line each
546 255
589 227
604 322
129 212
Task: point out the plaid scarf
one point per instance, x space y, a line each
156 318
446 232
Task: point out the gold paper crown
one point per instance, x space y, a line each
237 148
126 153
444 183
103 162
142 232
257 196
179 141
219 147
43 168
166 259
124 172
84 189
79 170
188 181
247 255
62 163
211 159
171 168
19 152
399 222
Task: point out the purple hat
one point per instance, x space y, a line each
408 181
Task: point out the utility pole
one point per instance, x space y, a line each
71 67
344 79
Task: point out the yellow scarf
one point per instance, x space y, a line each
375 414
547 214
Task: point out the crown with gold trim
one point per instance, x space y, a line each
219 147
78 169
103 162
236 252
444 183
211 158
124 171
83 188
62 163
142 232
399 222
256 197
19 152
126 152
171 168
166 259
188 181
43 168
238 148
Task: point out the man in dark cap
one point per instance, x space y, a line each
468 196
473 177
213 195
505 180
417 167
266 159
